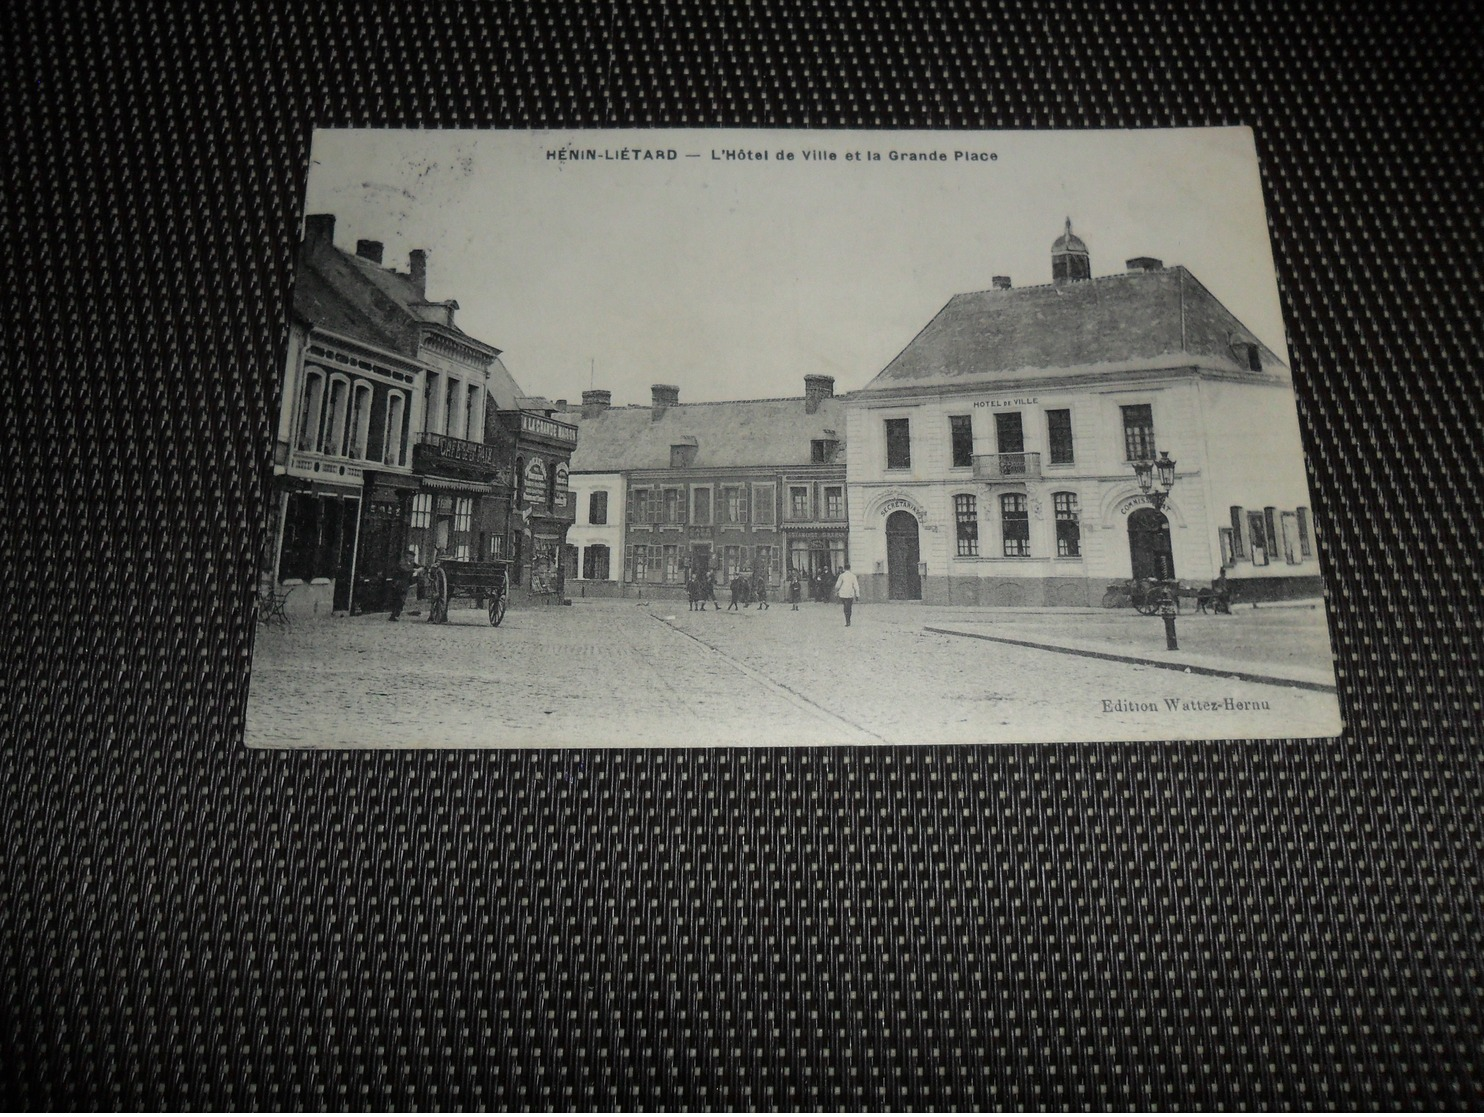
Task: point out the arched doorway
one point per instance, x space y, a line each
902 580
1149 544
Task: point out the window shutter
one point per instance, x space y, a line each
1238 549
1270 517
1305 547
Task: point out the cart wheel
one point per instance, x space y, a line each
438 609
1146 602
497 610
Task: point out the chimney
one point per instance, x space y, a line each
319 228
369 250
561 405
663 396
1000 282
595 402
1144 263
417 262
816 389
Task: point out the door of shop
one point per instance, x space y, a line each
902 579
1149 549
350 515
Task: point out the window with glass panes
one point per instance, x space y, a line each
798 502
1138 432
641 562
762 504
966 513
701 499
597 508
359 432
1068 525
961 439
733 505
422 509
1257 538
310 408
837 555
334 437
674 506
672 563
898 444
1015 525
1059 436
595 562
834 502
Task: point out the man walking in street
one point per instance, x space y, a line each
847 589
407 572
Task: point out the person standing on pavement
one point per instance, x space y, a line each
760 590
794 589
847 589
407 571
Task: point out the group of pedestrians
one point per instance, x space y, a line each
701 588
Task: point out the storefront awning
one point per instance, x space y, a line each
290 483
831 528
471 487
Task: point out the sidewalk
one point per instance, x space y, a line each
1285 644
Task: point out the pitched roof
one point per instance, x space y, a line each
1139 320
504 391
749 432
344 293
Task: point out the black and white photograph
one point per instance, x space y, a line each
700 438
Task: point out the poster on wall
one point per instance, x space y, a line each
1010 415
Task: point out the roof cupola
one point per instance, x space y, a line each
1070 260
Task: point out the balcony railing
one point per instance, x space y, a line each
441 451
1007 467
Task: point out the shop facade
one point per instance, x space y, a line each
380 441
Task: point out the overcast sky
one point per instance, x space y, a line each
735 279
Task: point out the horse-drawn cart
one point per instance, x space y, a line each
481 581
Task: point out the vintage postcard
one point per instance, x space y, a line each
785 438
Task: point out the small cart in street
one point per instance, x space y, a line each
487 581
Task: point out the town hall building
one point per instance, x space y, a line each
992 462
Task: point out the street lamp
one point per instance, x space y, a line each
1148 472
1156 479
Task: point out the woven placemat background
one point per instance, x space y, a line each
183 923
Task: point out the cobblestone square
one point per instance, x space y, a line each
621 674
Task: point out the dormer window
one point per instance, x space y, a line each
822 450
1248 355
683 454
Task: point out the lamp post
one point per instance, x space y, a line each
1156 479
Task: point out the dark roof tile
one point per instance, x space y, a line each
1153 319
760 432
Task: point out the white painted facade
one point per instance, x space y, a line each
1236 444
585 534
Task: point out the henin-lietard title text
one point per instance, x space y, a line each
763 155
